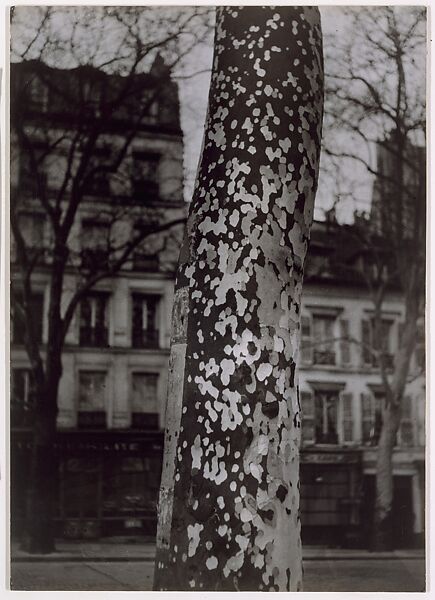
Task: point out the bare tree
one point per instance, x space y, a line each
375 129
85 83
229 498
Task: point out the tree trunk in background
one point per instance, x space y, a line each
39 536
229 498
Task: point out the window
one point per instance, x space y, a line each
324 349
406 429
22 398
38 94
98 184
96 243
319 338
19 321
144 401
145 332
144 179
92 405
32 229
33 177
326 417
93 320
369 342
371 405
145 261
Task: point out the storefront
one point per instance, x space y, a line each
331 497
108 482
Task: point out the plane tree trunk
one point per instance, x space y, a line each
229 498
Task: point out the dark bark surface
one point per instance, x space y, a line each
229 499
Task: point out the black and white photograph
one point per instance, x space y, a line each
216 285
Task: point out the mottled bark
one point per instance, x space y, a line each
229 499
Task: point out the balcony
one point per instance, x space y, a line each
145 262
146 338
91 419
94 259
96 337
144 420
144 190
324 357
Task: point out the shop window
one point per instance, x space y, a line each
79 491
95 245
144 400
18 320
144 179
93 320
382 342
145 332
22 398
92 399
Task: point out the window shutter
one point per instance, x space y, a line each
406 424
366 342
344 342
306 340
307 406
347 420
367 418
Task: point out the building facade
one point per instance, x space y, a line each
112 392
341 394
115 356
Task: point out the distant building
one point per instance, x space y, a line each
115 360
341 392
112 392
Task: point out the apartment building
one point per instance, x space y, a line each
112 391
115 356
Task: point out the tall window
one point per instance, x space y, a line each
95 244
144 402
38 95
22 398
144 181
323 330
18 320
145 332
382 342
326 417
92 405
371 405
33 178
98 184
93 320
32 230
325 338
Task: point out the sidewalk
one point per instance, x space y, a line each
143 550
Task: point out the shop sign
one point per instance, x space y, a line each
323 457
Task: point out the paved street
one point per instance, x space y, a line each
356 575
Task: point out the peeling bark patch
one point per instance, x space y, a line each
235 480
